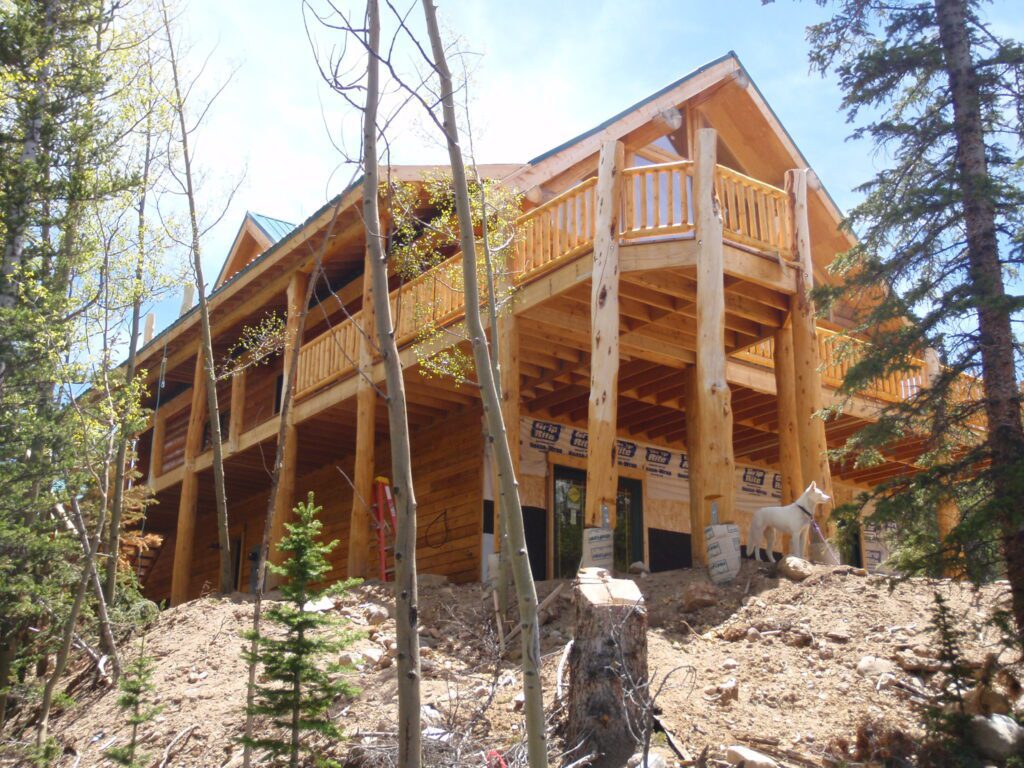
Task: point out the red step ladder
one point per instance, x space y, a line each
384 515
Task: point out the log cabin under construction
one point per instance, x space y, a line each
711 371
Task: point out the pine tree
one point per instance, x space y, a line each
301 685
136 684
941 231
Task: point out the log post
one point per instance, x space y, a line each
366 426
156 455
948 516
236 421
806 359
695 461
602 466
508 369
184 539
789 441
285 499
607 663
711 398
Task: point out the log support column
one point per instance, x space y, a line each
285 499
507 346
789 441
236 421
184 538
602 469
366 426
806 358
709 406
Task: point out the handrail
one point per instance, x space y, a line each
754 213
657 200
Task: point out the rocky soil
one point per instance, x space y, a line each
781 666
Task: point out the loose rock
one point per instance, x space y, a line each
795 568
997 736
872 666
699 595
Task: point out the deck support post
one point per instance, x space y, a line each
695 463
789 440
285 498
184 539
507 347
366 427
236 421
602 468
156 454
806 358
947 513
709 394
948 516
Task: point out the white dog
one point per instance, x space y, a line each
793 519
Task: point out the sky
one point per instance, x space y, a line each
544 71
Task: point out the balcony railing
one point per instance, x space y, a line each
656 202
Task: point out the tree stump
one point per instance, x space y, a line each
607 668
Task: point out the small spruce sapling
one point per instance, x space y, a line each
136 683
301 686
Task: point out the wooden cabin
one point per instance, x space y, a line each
699 220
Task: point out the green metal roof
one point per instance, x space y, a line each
275 229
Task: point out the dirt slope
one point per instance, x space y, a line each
791 648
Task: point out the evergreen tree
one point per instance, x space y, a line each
136 684
939 93
301 685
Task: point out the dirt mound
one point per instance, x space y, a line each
773 663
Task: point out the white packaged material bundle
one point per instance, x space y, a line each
723 545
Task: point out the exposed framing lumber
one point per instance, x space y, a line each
602 474
807 379
366 427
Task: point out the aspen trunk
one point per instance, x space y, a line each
227 581
406 589
525 589
996 338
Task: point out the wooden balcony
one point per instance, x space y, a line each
657 206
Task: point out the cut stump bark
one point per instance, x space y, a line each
607 666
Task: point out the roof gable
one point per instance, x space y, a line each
256 234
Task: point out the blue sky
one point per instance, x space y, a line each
547 70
